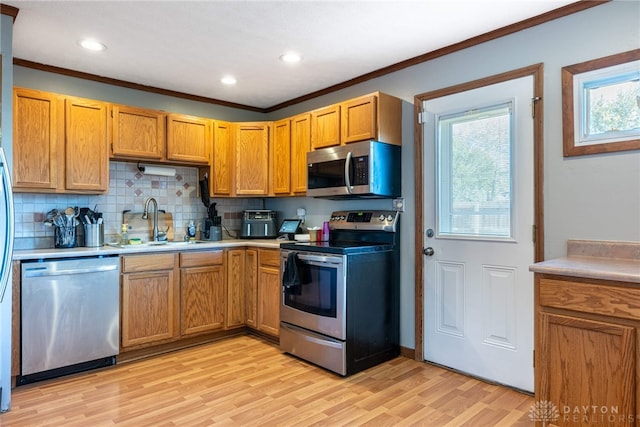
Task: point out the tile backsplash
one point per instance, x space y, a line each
128 190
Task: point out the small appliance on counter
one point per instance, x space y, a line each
259 224
290 227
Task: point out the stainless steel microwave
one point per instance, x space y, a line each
368 169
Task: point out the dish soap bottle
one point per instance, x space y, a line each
124 234
191 230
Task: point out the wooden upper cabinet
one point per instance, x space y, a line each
325 127
188 139
375 116
37 139
281 158
252 158
221 170
359 121
137 133
300 146
86 145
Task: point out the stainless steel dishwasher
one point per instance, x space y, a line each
70 316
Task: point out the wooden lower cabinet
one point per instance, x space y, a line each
587 345
150 300
235 289
170 297
202 292
251 287
269 289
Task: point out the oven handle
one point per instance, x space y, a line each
320 259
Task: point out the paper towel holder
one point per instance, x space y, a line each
156 170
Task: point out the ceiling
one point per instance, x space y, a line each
188 46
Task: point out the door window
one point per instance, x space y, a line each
474 173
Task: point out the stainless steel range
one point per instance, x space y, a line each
340 298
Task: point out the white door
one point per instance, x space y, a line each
478 222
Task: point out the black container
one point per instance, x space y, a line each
65 237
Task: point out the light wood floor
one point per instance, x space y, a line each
245 381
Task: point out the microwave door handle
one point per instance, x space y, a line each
347 168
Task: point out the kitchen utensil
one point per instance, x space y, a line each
204 191
70 214
212 212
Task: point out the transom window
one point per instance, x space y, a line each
609 100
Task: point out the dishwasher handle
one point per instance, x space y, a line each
44 271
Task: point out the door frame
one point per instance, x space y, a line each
537 71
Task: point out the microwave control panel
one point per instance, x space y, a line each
360 170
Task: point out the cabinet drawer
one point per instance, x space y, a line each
201 259
269 257
148 262
591 298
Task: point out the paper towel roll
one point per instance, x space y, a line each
158 170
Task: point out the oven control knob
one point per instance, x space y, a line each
390 218
381 217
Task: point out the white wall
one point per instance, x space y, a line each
585 197
588 197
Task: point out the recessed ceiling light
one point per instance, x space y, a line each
228 80
290 57
93 45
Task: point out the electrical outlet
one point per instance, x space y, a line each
398 204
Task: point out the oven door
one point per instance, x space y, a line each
318 303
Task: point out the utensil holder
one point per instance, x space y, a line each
93 235
65 237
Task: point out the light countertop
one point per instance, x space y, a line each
606 260
32 254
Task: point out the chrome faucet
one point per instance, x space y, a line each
145 215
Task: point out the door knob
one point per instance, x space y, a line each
428 251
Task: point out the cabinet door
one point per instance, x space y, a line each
86 145
149 308
269 300
358 120
202 299
235 289
325 127
300 146
222 171
188 139
137 133
37 139
281 158
586 363
251 287
252 158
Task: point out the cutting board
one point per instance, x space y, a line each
143 228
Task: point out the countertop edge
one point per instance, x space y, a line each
620 270
35 254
